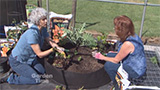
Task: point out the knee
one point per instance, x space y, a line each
42 71
107 66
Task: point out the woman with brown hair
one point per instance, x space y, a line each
130 52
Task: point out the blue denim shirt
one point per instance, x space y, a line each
23 51
137 59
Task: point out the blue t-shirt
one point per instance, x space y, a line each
23 51
137 59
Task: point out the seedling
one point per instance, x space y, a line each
82 88
79 58
76 52
58 87
69 56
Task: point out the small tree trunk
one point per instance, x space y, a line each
39 2
74 5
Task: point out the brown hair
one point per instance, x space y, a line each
124 27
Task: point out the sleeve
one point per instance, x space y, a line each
32 37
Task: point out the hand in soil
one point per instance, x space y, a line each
60 63
60 48
63 54
61 51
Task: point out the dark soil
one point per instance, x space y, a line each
86 64
80 60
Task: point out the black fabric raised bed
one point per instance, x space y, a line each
75 80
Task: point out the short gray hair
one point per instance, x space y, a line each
37 14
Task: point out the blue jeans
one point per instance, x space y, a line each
112 68
25 73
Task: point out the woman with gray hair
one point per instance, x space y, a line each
23 59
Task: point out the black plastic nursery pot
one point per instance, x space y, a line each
75 80
3 64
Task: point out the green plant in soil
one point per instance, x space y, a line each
68 56
79 37
59 61
75 52
79 58
57 54
58 87
101 46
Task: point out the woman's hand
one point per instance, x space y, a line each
60 48
54 45
61 51
98 55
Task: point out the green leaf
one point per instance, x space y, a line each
79 58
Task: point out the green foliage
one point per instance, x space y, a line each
101 40
30 6
79 37
68 56
101 18
58 87
20 28
88 40
79 58
75 52
154 60
57 54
